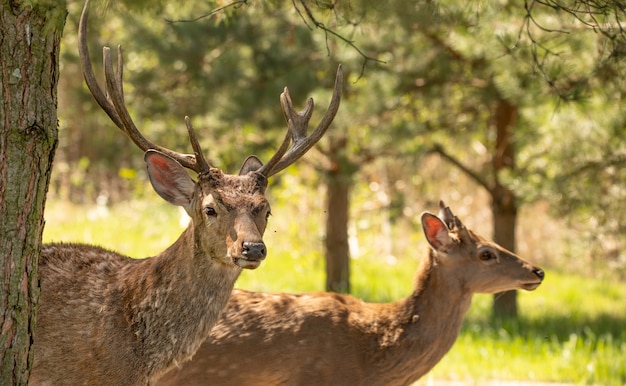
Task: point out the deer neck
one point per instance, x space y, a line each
176 299
429 320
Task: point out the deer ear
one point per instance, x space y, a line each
436 231
251 164
169 179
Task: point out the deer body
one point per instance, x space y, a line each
332 339
107 319
117 311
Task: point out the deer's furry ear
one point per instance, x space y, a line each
436 231
251 164
169 179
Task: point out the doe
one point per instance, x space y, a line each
331 339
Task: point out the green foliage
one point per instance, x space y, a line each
417 74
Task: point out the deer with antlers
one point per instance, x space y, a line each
107 319
331 339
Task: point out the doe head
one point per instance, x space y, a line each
480 265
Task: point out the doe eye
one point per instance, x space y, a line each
209 211
486 255
268 214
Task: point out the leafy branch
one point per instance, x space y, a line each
307 16
235 4
601 16
438 149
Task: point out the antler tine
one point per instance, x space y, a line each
90 78
203 165
445 214
115 95
277 156
297 124
296 127
459 225
112 102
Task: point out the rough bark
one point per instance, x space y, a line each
30 34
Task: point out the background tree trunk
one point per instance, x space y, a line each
504 220
503 200
336 243
29 53
339 176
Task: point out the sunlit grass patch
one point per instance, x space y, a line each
571 329
136 228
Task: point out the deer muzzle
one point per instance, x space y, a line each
532 285
252 253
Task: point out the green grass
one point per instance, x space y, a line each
572 329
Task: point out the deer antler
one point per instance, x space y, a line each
297 124
112 101
446 215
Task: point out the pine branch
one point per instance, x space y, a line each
327 31
438 148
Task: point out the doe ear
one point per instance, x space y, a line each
436 231
169 179
251 164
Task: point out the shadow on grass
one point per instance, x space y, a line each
559 328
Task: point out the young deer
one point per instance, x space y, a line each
332 339
107 319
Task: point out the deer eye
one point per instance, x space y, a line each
486 254
268 214
209 211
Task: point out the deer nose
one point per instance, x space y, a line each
539 272
253 251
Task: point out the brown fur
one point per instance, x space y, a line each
107 319
330 339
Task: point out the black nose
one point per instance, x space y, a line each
254 251
539 272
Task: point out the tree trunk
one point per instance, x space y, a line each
29 52
504 220
337 247
503 202
339 174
